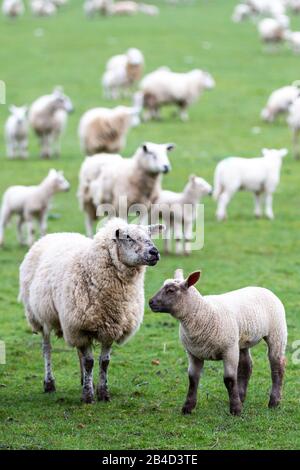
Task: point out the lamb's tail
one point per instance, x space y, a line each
217 184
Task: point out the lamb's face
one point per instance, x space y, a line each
134 245
62 101
59 181
209 82
200 186
154 157
19 113
274 154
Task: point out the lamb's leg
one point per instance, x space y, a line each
20 230
87 364
257 204
4 218
102 389
244 372
43 223
23 148
195 369
231 361
49 382
277 364
45 146
89 225
183 113
10 150
223 202
269 206
30 230
80 357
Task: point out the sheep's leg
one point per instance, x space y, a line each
30 230
89 225
20 230
10 150
277 364
23 145
43 223
80 357
223 202
188 236
102 390
183 113
45 146
195 369
4 218
244 372
87 365
269 206
257 204
49 382
231 361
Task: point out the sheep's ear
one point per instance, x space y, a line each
170 147
155 228
179 275
283 152
192 178
52 171
192 279
145 148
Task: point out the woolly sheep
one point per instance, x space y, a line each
105 129
294 5
131 8
86 291
279 102
272 30
29 202
48 117
272 8
258 175
178 212
293 39
92 7
43 7
122 71
13 8
163 87
225 327
241 12
16 132
293 121
122 182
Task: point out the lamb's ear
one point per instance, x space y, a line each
179 275
264 151
192 178
192 279
155 228
283 152
52 171
170 147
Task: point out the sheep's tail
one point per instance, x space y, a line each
217 184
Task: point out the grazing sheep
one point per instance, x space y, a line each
13 8
105 130
258 175
108 179
163 87
271 8
225 327
43 7
93 7
48 117
293 39
293 121
279 102
241 12
132 8
122 71
178 212
86 291
16 132
29 202
272 30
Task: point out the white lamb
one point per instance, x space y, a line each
88 291
293 121
272 30
122 71
105 129
163 87
16 132
260 176
122 183
279 102
241 12
13 8
48 117
43 7
225 327
178 212
29 203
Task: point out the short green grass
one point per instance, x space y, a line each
146 398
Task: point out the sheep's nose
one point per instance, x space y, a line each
154 252
166 169
151 302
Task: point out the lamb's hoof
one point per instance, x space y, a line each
273 402
49 386
187 409
102 394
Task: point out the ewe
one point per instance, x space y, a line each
88 291
224 327
29 203
16 132
13 8
122 71
258 175
105 129
122 183
163 87
179 211
279 102
48 117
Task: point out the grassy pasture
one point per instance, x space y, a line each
37 54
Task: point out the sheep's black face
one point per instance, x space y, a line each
135 248
166 298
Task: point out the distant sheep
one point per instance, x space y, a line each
93 7
163 87
279 102
48 117
43 7
105 129
293 39
293 121
29 203
272 30
273 8
225 327
131 8
260 176
13 8
241 12
88 291
16 132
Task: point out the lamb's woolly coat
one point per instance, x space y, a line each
279 102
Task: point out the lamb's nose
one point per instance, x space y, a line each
166 169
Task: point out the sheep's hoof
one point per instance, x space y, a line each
49 386
88 398
236 411
187 409
274 402
102 394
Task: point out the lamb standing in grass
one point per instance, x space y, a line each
178 211
86 291
105 130
48 117
279 102
29 203
122 182
16 132
163 87
293 121
260 175
13 8
225 327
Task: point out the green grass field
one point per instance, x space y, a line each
146 398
